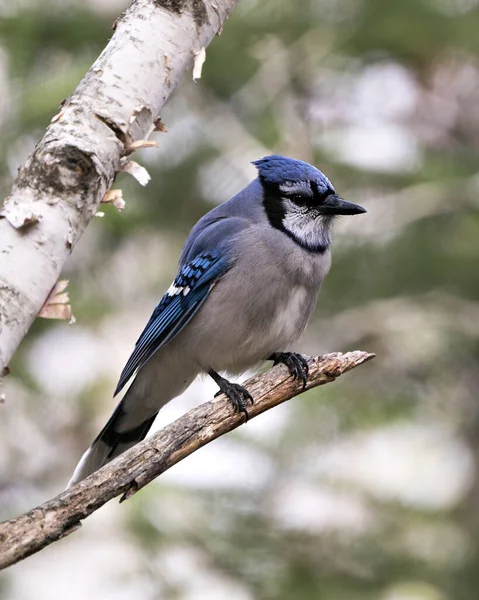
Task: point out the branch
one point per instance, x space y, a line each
59 188
136 467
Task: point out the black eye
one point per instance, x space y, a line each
300 199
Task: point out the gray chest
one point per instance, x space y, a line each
290 316
287 281
278 256
260 306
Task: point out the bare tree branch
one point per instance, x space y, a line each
134 469
59 188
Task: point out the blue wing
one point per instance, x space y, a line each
177 307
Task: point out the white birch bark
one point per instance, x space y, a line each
59 188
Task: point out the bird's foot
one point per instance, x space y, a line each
296 363
236 393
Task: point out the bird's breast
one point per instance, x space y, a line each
291 314
260 306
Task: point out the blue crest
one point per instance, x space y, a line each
275 170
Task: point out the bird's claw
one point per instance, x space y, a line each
237 395
296 363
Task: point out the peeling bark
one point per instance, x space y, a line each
138 466
59 188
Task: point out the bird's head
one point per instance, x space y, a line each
301 201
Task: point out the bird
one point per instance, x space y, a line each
248 280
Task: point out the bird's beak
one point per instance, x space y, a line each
334 205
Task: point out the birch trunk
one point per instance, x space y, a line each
59 188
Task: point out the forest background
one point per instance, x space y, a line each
362 490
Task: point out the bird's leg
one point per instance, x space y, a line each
237 394
296 363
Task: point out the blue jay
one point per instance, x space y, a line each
248 279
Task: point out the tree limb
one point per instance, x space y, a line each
136 467
59 188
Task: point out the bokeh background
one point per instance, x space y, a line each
367 489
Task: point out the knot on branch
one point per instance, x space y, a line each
196 7
58 170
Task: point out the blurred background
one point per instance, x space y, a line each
364 489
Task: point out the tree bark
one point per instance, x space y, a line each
136 467
59 188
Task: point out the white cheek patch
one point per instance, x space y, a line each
308 228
